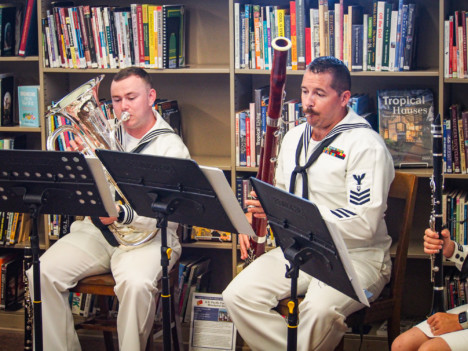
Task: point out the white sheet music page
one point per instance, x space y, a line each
230 204
346 260
97 170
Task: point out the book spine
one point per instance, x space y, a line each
331 32
79 41
60 38
237 35
455 141
393 35
386 37
136 50
64 26
300 29
410 37
84 36
96 37
379 34
141 37
144 13
25 34
90 35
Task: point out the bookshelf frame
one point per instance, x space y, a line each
209 113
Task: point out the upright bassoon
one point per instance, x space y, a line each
437 272
269 148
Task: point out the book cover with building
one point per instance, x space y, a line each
405 118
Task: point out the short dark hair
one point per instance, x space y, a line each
133 71
329 64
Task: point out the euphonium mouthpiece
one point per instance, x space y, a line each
125 116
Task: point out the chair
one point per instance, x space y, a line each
399 218
103 286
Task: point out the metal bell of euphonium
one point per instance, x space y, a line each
86 119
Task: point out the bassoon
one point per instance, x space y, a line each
269 149
435 222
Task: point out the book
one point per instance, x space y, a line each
198 268
28 106
12 288
454 117
7 29
169 110
28 42
173 26
199 233
7 102
405 118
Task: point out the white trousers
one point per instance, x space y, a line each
457 341
252 295
85 252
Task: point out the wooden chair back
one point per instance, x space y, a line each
399 219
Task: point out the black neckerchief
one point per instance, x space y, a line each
303 169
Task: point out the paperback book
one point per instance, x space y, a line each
405 118
28 106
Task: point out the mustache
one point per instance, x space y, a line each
310 111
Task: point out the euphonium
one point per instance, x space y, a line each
82 110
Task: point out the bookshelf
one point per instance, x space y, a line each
210 90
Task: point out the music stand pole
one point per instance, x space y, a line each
37 302
163 211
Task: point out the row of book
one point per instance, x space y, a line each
251 126
26 100
455 214
194 276
11 281
455 135
18 29
455 39
456 291
14 227
145 35
383 40
58 225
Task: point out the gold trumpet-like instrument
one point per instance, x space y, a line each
82 110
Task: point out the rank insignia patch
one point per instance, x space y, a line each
333 151
361 193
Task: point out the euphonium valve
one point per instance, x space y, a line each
86 120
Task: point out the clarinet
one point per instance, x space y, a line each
435 222
28 309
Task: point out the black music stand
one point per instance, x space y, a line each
308 244
177 190
51 182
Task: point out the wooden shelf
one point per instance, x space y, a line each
190 69
19 59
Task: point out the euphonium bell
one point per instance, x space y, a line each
82 110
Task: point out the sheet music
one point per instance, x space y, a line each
102 184
346 260
225 195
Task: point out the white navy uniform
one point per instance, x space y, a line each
86 252
458 340
349 182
